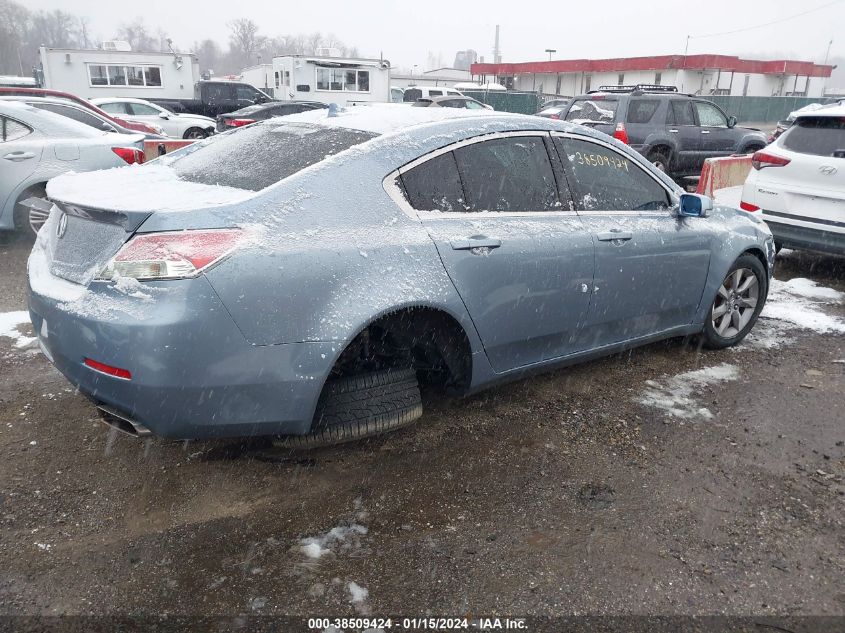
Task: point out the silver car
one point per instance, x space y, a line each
301 277
36 145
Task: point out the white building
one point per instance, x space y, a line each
331 79
259 76
698 74
112 73
447 77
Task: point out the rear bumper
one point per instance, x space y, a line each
194 375
806 238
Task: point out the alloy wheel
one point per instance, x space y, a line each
37 218
735 302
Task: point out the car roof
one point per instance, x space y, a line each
833 110
386 118
99 100
37 99
48 122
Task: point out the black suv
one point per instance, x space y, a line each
675 131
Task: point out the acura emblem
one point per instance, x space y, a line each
62 227
827 170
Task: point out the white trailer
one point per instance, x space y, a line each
337 80
116 73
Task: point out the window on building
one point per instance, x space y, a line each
620 79
588 79
341 80
98 75
287 77
605 180
102 75
658 77
276 81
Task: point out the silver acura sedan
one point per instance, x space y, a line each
301 277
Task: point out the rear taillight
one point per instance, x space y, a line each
117 372
174 255
747 206
239 122
129 154
621 133
763 159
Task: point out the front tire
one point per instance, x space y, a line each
195 133
738 302
361 406
660 160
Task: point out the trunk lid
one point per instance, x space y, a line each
95 213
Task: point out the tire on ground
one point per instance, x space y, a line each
361 406
712 339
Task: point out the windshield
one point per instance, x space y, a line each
263 154
593 110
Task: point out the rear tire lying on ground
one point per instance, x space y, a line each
737 304
361 406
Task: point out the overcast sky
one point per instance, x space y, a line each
406 31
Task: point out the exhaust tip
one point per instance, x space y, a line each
122 422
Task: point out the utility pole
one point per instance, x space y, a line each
826 56
550 51
497 53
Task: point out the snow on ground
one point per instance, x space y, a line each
728 197
357 593
10 324
343 537
676 395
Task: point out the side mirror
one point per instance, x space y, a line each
163 115
731 121
105 127
260 99
693 205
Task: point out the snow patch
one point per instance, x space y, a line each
675 395
343 537
357 593
797 304
140 188
10 324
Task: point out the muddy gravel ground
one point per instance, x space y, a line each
622 486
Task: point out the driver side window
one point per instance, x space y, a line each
602 179
709 115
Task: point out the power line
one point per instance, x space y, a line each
759 26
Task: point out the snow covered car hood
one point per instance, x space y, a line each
151 187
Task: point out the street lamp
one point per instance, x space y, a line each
550 51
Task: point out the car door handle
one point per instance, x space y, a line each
17 156
476 241
615 234
705 131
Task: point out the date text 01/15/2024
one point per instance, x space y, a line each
419 624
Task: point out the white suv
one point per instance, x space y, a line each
797 183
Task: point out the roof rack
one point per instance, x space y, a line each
636 88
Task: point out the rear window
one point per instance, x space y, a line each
265 153
821 136
596 110
642 110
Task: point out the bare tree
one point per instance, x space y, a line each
243 40
138 36
14 23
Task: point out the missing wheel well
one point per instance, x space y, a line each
429 340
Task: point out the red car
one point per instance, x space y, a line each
137 126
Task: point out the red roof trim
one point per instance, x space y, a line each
661 62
